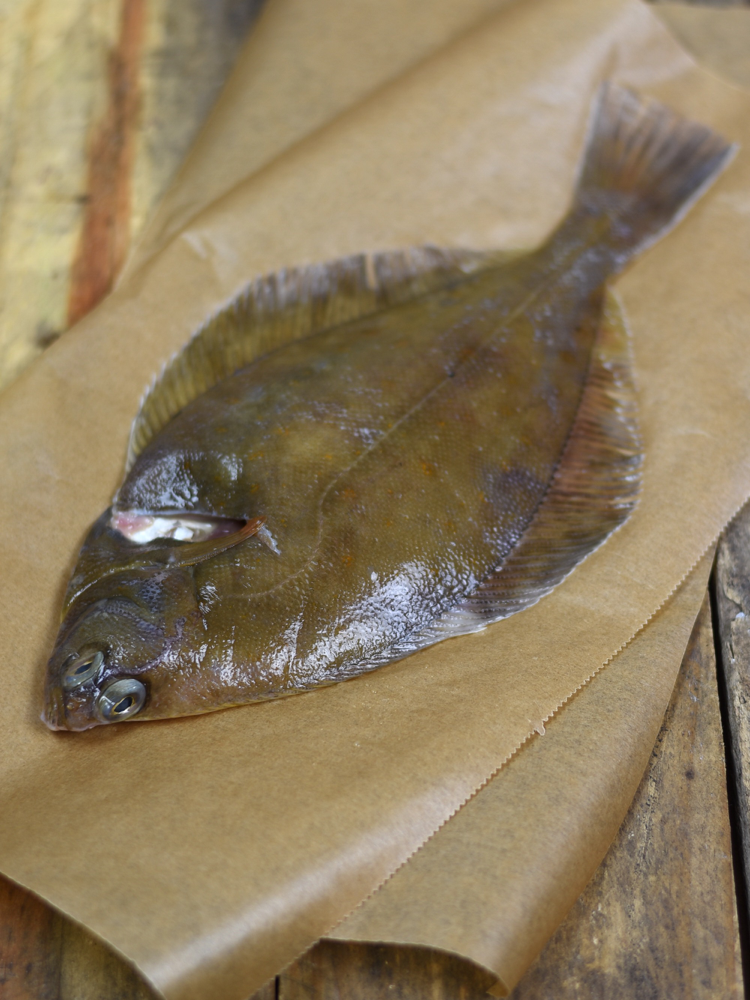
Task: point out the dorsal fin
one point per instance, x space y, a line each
289 305
593 492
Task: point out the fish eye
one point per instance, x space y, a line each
120 700
81 668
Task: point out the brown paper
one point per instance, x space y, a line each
304 64
495 882
719 38
212 850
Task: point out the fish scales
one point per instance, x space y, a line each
360 492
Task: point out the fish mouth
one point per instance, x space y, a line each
53 713
55 716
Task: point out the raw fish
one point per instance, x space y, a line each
355 460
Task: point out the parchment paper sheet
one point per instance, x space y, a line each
718 37
489 885
303 64
494 883
212 850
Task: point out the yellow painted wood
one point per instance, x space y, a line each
99 102
53 60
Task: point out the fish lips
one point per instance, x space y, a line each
91 654
66 714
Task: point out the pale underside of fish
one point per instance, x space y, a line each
355 460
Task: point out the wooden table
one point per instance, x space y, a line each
667 914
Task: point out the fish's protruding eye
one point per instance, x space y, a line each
120 700
81 668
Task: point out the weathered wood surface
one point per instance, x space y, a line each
732 592
340 970
99 102
44 956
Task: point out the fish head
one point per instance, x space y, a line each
128 638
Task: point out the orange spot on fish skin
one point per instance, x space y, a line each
255 454
389 524
349 493
329 457
346 559
254 488
428 468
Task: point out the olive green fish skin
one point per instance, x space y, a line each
397 460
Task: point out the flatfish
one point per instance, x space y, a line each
357 459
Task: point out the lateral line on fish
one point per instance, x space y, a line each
548 278
553 275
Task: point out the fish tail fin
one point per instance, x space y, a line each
644 166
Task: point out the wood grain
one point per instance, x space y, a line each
657 922
99 103
105 226
732 591
344 970
46 956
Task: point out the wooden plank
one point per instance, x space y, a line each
105 226
95 118
658 920
343 970
45 956
732 592
30 945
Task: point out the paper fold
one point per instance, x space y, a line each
496 881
